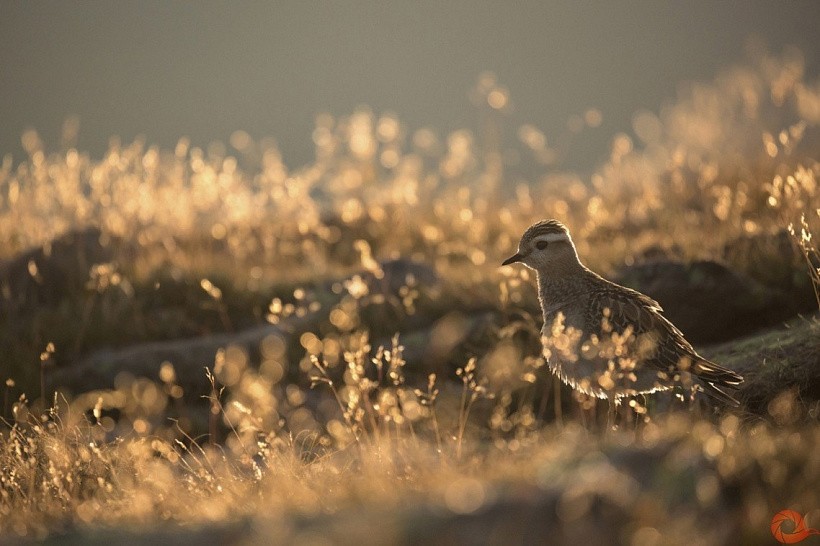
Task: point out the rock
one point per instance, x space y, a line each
189 357
775 261
708 301
399 273
781 360
43 276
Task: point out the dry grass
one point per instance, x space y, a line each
234 238
398 454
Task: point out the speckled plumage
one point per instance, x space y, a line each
605 339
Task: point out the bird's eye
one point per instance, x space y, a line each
541 245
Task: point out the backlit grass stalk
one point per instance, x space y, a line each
809 252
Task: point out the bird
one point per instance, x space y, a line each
604 339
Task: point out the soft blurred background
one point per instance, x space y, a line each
171 69
250 281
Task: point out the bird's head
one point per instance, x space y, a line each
546 247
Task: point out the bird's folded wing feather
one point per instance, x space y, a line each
624 308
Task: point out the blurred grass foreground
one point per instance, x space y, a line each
203 345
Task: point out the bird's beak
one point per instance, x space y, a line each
513 259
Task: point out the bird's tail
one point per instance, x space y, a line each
716 379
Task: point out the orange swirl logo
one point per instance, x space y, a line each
799 531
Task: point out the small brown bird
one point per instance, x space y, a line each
604 339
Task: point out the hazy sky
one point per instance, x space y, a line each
204 69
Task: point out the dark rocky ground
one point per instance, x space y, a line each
742 303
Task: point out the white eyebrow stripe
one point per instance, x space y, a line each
552 237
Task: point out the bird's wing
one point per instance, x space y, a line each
614 309
623 308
